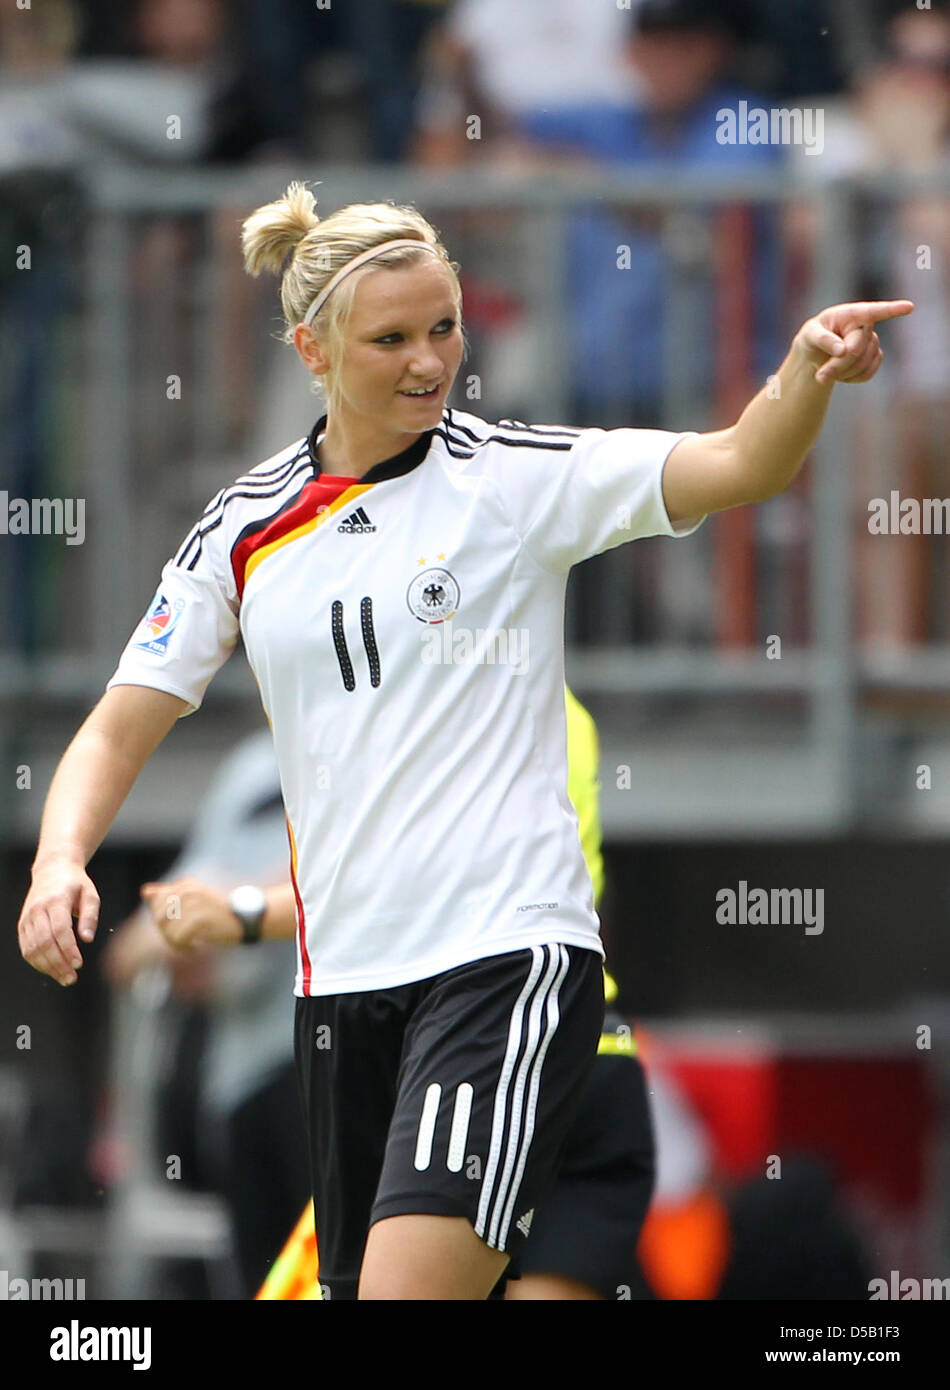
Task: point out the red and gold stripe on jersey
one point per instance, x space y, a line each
319 501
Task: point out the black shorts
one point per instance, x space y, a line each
590 1224
452 1095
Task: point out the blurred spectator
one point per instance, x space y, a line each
666 83
897 120
160 102
326 79
176 91
500 59
331 81
388 40
681 52
36 127
176 98
38 211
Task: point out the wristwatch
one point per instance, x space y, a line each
248 904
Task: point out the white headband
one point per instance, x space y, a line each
354 264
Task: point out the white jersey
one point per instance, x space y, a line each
406 633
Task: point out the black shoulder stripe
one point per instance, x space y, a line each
543 432
541 429
458 451
467 451
562 446
282 474
447 431
206 525
254 475
454 424
254 480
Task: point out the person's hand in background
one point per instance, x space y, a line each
190 914
138 944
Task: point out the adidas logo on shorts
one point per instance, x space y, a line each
524 1222
356 523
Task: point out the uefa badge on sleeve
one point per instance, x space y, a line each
159 623
433 596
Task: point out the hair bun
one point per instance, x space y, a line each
272 233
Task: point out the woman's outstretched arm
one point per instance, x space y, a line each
763 451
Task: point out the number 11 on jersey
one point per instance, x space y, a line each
369 642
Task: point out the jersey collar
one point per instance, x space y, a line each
393 467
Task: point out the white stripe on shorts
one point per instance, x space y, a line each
552 963
460 1121
553 1017
501 1090
426 1133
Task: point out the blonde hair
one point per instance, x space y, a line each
287 238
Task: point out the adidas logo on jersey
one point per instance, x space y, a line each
356 523
524 1222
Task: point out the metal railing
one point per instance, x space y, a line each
143 487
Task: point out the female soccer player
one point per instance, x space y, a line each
398 579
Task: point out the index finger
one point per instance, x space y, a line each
877 311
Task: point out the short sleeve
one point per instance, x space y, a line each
605 489
188 632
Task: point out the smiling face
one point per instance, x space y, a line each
403 334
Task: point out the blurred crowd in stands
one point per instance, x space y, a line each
393 80
552 85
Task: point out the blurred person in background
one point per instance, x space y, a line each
40 218
156 101
388 41
896 120
502 59
332 81
231 1104
207 55
681 54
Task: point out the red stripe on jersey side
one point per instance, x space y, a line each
301 923
321 492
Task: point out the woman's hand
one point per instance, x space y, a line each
841 342
93 778
61 890
189 913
